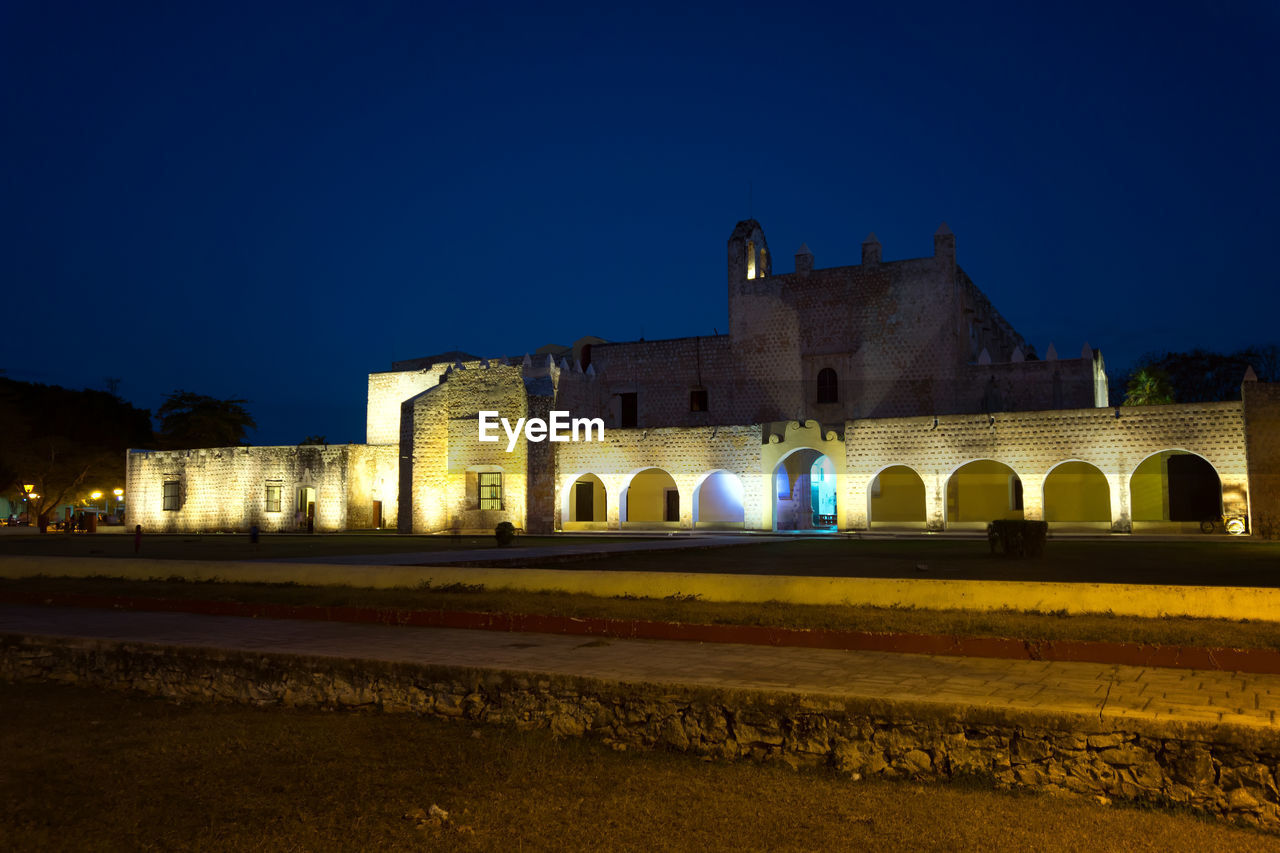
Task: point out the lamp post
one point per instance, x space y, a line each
95 497
119 493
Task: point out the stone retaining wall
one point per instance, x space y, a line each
1229 771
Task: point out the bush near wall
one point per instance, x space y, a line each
1017 538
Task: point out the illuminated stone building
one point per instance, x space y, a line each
885 394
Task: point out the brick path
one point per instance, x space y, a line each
1165 695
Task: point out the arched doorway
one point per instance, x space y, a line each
1077 493
1174 490
895 498
585 504
805 492
651 499
717 502
982 491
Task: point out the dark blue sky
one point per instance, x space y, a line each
270 200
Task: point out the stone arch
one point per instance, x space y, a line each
645 500
896 498
1077 493
718 500
577 511
805 491
1174 489
980 491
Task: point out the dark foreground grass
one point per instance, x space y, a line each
86 769
1013 624
270 546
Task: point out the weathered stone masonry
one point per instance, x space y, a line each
1225 770
884 363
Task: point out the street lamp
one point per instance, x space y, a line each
119 493
95 497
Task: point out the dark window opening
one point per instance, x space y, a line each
273 498
828 386
490 490
172 495
1016 497
698 400
630 410
585 358
673 506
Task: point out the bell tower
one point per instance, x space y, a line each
749 257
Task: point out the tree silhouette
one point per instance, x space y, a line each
190 420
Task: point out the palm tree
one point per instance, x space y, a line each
1148 386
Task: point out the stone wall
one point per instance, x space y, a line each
1262 438
1223 770
1032 443
442 457
687 454
225 488
662 374
386 392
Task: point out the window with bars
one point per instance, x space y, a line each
172 495
273 497
490 490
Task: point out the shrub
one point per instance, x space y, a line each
505 533
1017 538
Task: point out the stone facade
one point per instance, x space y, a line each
1224 770
235 488
1262 441
889 392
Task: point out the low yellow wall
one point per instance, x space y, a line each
1121 599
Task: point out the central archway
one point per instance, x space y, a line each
805 492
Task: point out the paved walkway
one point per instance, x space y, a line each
1166 695
483 555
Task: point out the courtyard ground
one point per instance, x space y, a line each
87 769
1169 631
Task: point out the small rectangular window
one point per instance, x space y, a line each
172 495
698 400
273 497
490 490
630 411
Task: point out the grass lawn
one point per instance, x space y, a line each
1213 561
1028 626
85 769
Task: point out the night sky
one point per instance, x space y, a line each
269 201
